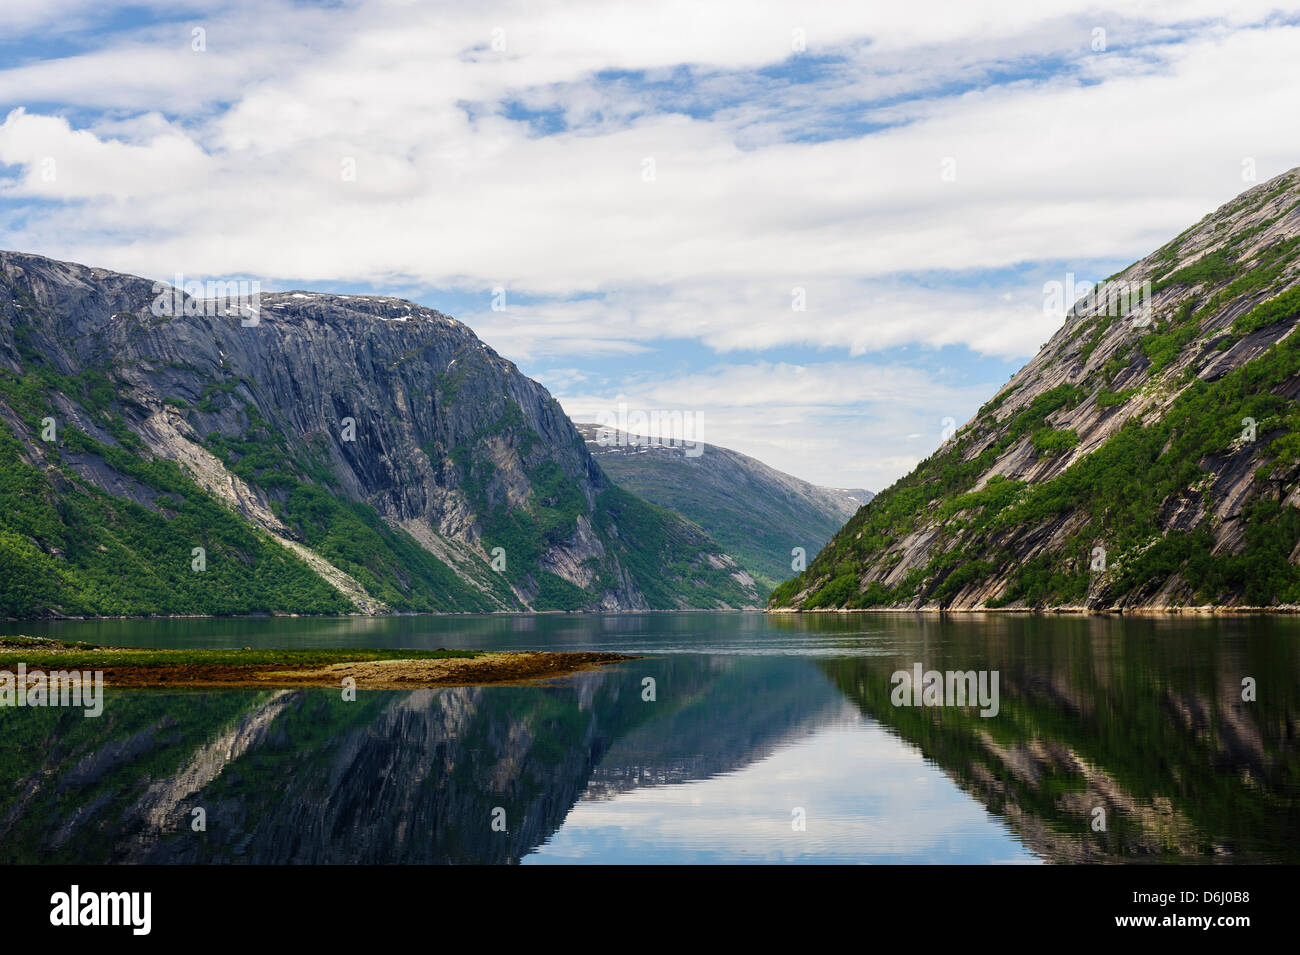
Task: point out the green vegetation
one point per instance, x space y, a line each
1116 494
993 404
998 493
103 555
1049 442
1279 308
1162 348
755 516
663 553
1210 269
54 654
1122 486
660 552
103 521
1099 327
549 517
1122 360
895 512
386 561
556 593
1267 267
526 532
1109 399
67 547
1128 685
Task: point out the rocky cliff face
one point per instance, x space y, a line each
1145 458
326 453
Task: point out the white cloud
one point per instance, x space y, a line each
859 316
838 424
1046 170
868 797
233 161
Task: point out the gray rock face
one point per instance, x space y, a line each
375 400
1131 464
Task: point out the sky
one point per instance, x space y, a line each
822 231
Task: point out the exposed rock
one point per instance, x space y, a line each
380 404
1026 506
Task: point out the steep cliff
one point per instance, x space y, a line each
1145 458
323 453
756 513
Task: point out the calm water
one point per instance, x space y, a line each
768 740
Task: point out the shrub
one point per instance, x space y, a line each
1049 442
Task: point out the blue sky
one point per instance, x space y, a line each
821 228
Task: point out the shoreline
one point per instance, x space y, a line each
1211 610
370 669
380 616
1176 610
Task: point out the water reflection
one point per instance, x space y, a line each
1146 722
303 776
1142 718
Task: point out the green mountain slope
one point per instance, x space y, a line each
1140 460
756 513
338 454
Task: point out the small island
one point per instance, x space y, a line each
372 668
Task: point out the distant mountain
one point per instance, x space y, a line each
857 496
756 513
1147 457
166 454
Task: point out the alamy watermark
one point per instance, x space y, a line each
635 427
922 687
1112 299
83 688
212 298
131 910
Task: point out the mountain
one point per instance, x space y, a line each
857 496
1146 458
167 453
757 513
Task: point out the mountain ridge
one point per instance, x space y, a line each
331 454
757 513
1142 460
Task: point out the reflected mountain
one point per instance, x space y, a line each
302 776
1143 718
772 701
1147 724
